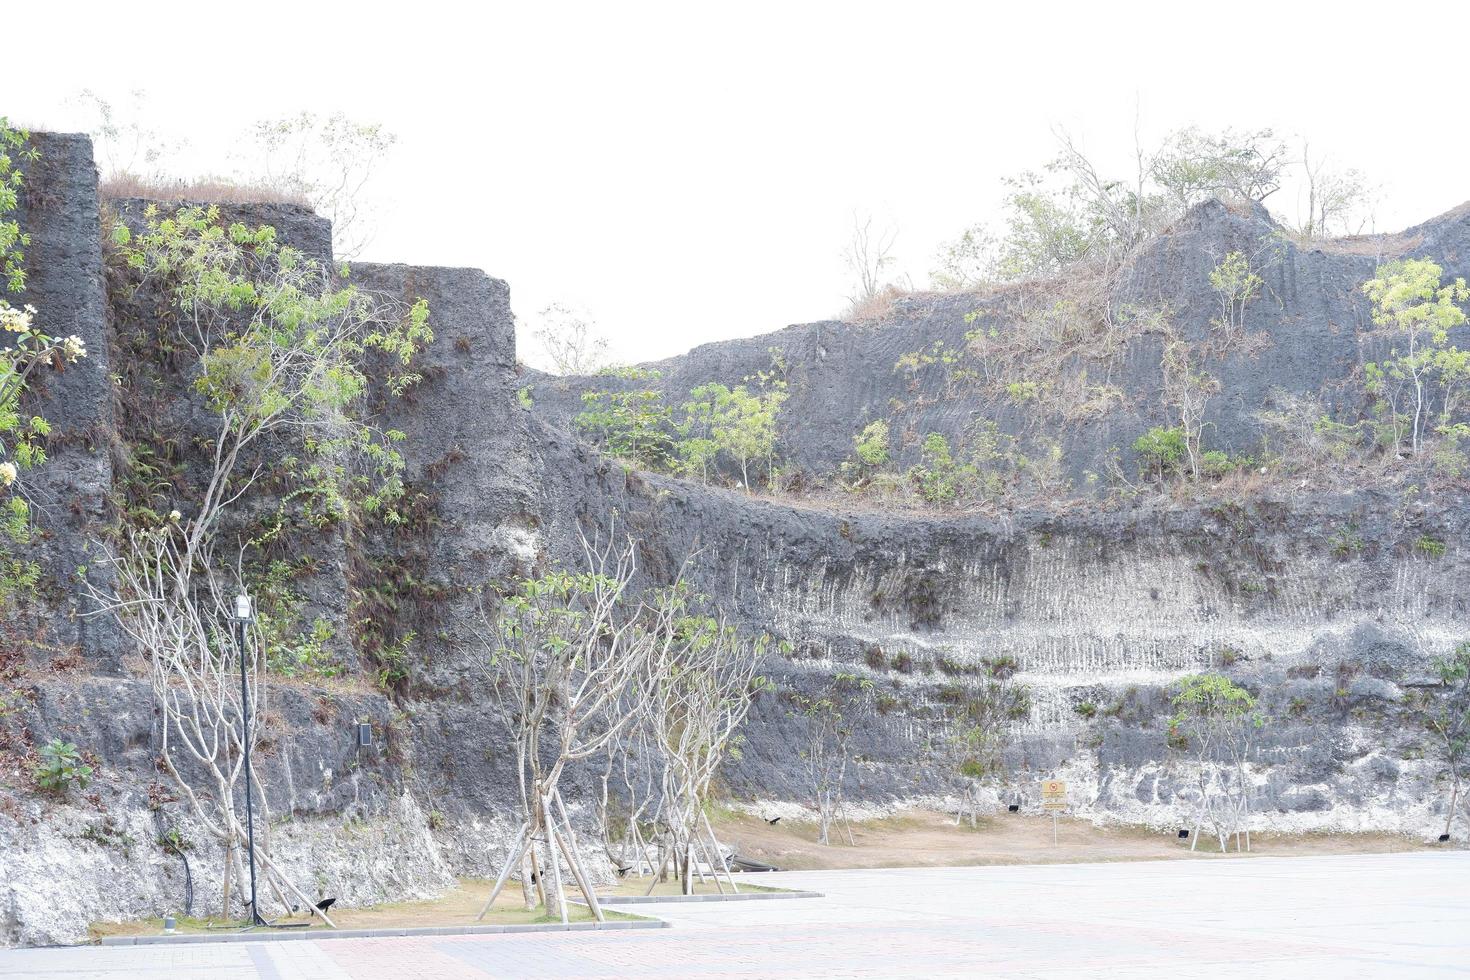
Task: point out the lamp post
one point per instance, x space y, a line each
244 616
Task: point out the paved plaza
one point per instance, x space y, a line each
1400 915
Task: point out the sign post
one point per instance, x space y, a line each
1054 798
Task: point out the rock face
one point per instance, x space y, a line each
1322 603
1307 335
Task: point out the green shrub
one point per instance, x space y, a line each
61 767
1432 547
1086 709
1162 449
871 445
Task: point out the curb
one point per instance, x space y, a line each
680 899
286 935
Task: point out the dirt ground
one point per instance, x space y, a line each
924 838
458 907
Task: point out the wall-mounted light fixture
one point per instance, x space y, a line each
364 735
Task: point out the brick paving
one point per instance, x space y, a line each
1342 917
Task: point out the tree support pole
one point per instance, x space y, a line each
517 849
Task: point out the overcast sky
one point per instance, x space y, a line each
688 172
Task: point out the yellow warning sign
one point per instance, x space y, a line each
1054 794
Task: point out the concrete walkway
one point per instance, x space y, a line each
1401 915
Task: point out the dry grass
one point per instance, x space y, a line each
212 190
458 907
875 308
919 838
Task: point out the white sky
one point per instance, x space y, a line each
688 172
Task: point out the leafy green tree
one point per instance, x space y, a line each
1236 284
631 423
1411 300
1046 230
698 449
281 342
740 422
984 467
1075 211
966 262
871 445
1193 166
697 456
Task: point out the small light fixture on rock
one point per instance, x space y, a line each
1184 835
1014 808
365 735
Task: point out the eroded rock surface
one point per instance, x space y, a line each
1101 609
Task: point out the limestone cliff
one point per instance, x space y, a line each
1102 606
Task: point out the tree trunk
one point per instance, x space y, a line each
225 888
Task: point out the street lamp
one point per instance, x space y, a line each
244 616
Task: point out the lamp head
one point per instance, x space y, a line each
244 608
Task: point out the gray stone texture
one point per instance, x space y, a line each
1098 607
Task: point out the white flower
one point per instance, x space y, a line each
8 473
73 349
13 320
175 516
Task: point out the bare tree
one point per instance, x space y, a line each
1338 201
827 747
562 653
1444 711
698 692
329 160
172 599
125 146
869 253
634 758
571 341
1188 387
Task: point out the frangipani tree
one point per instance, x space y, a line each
1445 714
278 342
1214 726
561 653
981 719
699 688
